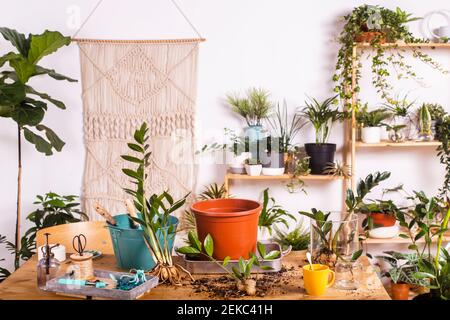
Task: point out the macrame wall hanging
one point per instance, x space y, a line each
126 82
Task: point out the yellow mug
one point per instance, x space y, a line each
317 280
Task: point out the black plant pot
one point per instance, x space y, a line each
321 155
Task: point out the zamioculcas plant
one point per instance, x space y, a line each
242 273
155 211
25 105
443 134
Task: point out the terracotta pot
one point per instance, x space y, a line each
232 223
370 36
399 291
382 219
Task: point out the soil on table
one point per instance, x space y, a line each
224 287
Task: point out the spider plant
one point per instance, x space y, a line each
374 118
213 191
285 130
298 238
255 107
273 214
155 212
322 116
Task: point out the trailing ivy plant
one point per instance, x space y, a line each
25 105
390 26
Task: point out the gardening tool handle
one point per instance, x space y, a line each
104 213
131 212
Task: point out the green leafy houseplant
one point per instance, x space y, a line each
298 238
428 220
25 105
273 214
403 267
4 273
155 211
443 152
242 273
322 116
386 26
373 118
213 191
255 107
285 130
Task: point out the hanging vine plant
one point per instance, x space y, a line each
377 26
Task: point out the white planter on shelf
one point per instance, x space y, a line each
253 169
371 134
236 163
384 232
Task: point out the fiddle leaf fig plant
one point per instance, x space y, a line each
25 105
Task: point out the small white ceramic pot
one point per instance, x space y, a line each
236 163
371 134
272 171
253 169
384 232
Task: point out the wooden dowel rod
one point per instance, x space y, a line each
139 41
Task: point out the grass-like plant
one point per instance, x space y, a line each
155 211
255 107
298 238
283 129
322 116
272 214
373 118
213 191
338 169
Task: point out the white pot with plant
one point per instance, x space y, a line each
401 126
253 167
372 122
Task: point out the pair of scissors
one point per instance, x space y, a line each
79 243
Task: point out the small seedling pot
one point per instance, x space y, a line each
399 291
232 223
371 134
382 219
321 155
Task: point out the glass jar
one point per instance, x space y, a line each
348 275
335 237
46 270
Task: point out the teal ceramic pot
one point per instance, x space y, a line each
130 249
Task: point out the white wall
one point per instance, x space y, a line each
285 46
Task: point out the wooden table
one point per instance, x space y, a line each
22 284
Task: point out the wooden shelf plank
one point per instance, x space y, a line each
233 176
406 144
430 45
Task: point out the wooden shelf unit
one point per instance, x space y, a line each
399 240
354 144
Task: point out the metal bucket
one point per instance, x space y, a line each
129 245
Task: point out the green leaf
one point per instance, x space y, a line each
272 255
11 94
261 249
423 275
194 241
24 114
226 260
56 142
356 255
17 39
23 68
404 236
57 203
45 44
208 244
39 142
132 174
131 159
188 250
45 96
8 57
265 268
52 73
412 247
135 147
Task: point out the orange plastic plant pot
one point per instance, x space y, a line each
232 223
400 291
382 219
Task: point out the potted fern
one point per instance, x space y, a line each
322 116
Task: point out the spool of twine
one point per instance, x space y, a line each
84 266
